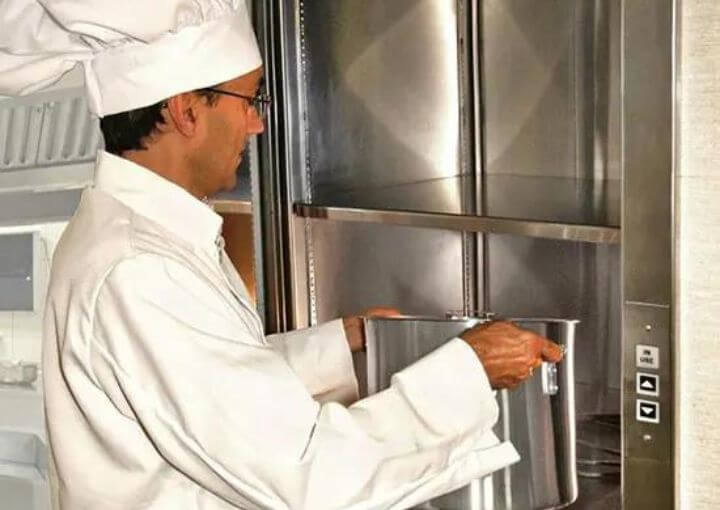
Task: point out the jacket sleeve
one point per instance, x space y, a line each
321 358
231 413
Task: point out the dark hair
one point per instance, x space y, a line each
128 131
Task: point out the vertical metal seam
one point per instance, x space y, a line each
623 347
259 263
307 192
481 172
468 240
477 149
263 193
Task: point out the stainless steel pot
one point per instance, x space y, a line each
538 417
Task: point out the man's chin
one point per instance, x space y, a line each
230 183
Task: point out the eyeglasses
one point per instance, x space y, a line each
261 102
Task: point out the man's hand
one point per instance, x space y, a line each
509 353
355 327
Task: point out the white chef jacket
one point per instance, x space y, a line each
162 392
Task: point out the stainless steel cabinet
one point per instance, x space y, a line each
474 155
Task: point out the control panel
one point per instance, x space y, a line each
648 372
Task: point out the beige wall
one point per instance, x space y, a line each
698 255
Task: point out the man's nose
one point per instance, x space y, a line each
256 124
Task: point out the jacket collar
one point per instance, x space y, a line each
160 200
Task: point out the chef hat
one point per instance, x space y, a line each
135 52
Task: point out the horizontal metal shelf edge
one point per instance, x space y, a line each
231 206
464 223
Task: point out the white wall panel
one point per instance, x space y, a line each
698 255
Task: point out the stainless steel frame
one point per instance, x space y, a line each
342 225
278 150
647 244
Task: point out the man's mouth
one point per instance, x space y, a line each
242 153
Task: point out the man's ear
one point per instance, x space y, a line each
183 110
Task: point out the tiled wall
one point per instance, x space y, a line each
698 255
21 332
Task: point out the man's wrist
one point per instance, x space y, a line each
355 333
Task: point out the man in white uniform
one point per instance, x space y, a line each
162 391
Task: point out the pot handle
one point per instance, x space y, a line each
549 373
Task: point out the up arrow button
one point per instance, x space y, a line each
648 384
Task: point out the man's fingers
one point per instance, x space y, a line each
552 352
382 311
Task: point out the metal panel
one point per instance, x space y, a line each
270 178
648 484
350 126
362 265
648 325
580 201
535 277
551 88
16 272
527 79
368 128
648 144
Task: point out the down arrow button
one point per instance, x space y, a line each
648 411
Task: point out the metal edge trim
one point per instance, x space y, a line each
465 223
674 329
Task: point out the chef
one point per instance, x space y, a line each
162 390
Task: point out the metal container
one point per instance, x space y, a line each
538 417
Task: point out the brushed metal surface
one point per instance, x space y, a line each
375 102
551 88
539 277
648 146
361 265
272 154
647 244
383 84
659 447
555 199
541 427
464 223
650 480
